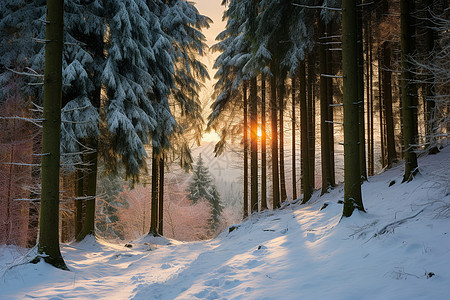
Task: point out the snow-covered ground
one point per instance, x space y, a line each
399 249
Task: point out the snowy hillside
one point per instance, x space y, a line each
399 249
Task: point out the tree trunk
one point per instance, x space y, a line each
380 107
311 119
263 146
306 180
281 91
430 104
245 151
360 57
161 196
324 106
48 245
253 145
408 93
88 227
330 117
294 158
274 121
387 92
352 181
79 203
154 206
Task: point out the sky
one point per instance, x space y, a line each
214 11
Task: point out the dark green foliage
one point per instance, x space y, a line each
203 187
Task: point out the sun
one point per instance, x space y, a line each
259 132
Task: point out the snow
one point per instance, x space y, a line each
399 249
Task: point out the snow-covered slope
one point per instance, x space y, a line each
399 249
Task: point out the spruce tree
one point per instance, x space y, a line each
202 187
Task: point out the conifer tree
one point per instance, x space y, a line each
202 187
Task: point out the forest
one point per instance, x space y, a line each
101 99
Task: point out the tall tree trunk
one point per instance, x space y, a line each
360 57
311 119
263 145
245 151
324 106
253 145
368 94
79 203
306 180
387 92
430 99
274 124
281 91
88 227
294 158
161 196
381 107
154 206
408 93
352 184
330 117
48 245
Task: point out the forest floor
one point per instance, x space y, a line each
399 249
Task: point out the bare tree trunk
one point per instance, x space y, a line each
79 203
330 117
274 121
245 151
387 92
324 106
352 184
294 158
306 180
311 119
253 145
409 93
161 196
48 245
263 145
360 56
154 196
281 91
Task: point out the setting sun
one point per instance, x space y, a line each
259 132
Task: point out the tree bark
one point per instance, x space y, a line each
330 117
387 92
281 91
294 158
161 196
360 56
352 181
154 196
263 145
306 180
324 106
253 145
274 125
48 245
408 93
245 151
311 119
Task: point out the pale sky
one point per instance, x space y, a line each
214 11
